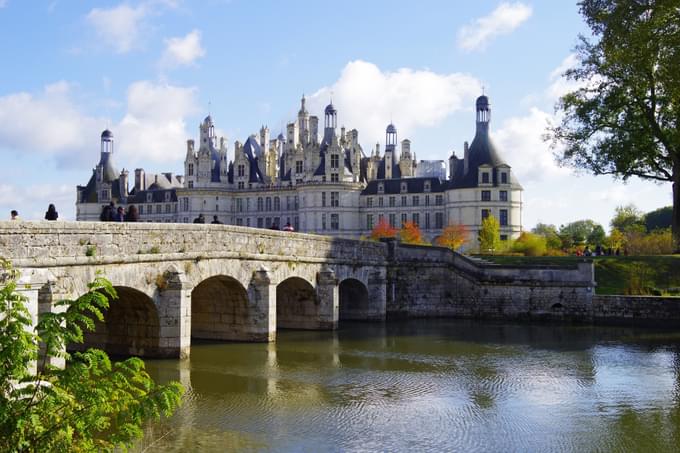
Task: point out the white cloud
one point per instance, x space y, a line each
3 3
154 127
367 98
52 123
119 26
501 21
31 201
183 51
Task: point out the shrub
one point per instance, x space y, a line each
383 230
410 233
453 236
530 244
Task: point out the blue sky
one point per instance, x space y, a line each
150 70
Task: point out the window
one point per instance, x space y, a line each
241 185
381 188
335 221
299 166
268 204
503 214
403 201
239 221
159 209
439 220
241 171
323 199
277 204
392 201
247 204
186 220
298 181
381 218
217 207
393 219
504 237
427 200
369 202
167 196
503 195
416 218
296 222
248 221
486 195
416 200
190 184
485 213
335 161
334 177
296 202
239 204
260 222
141 209
288 205
427 186
404 187
260 204
369 222
427 220
168 209
485 178
380 202
190 170
323 221
335 199
404 218
504 178
185 204
268 222
439 200
149 197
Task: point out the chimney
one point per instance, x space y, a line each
466 157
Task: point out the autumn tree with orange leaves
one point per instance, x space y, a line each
383 230
410 234
453 236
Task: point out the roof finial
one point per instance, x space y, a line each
209 107
483 90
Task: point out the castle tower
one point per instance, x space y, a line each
330 122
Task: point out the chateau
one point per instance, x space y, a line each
319 183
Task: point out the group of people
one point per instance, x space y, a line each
112 214
50 214
600 251
216 221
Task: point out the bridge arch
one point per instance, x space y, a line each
297 304
220 309
131 326
354 303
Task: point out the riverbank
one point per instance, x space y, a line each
617 275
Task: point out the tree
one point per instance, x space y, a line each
530 244
410 234
489 235
549 232
623 120
582 232
91 404
628 218
383 230
453 236
659 218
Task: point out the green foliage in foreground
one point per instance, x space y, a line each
641 275
90 405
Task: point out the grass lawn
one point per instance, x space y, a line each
650 275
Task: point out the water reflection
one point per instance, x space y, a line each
429 385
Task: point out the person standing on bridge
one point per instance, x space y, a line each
216 221
14 215
288 227
51 213
199 219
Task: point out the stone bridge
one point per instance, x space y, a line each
178 282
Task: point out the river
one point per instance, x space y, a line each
429 385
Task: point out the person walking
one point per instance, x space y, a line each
51 213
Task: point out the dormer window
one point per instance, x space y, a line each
504 178
485 177
167 196
404 187
335 161
427 186
381 188
190 170
149 197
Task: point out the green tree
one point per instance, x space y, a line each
623 120
91 404
628 218
582 232
489 235
549 232
659 218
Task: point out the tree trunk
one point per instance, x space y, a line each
675 222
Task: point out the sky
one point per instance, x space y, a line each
151 70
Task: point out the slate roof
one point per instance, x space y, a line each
157 196
413 185
252 148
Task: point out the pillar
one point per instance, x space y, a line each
261 307
174 316
329 298
377 296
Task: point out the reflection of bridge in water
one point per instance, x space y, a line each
217 282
